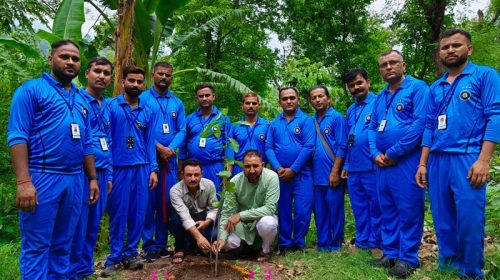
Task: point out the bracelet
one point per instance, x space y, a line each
422 165
93 178
20 182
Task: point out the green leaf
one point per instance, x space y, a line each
47 36
69 19
150 5
230 187
234 144
224 174
27 50
242 123
144 27
230 81
166 9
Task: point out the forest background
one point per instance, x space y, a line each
232 44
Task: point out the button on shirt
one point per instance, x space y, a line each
41 116
472 112
188 205
358 157
404 110
250 137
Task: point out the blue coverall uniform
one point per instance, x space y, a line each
44 116
400 198
211 156
290 144
170 129
82 249
329 201
362 179
134 158
249 138
471 105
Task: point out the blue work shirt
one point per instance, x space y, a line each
99 119
290 144
404 110
132 134
170 111
41 116
472 108
250 138
358 157
216 148
333 127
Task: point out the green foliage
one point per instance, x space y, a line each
69 20
18 15
9 261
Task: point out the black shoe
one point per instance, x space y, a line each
150 256
108 271
401 270
384 261
164 253
297 249
282 251
133 263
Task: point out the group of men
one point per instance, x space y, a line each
386 151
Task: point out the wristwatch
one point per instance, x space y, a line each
93 178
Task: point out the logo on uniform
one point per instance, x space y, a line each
214 128
368 117
327 131
400 107
174 114
85 111
296 130
262 137
465 95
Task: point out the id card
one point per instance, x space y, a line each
75 131
130 141
441 122
382 125
104 144
350 140
203 142
166 129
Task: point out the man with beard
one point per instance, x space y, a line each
170 133
461 131
331 145
251 135
248 214
209 150
289 147
359 168
50 143
396 128
134 169
99 72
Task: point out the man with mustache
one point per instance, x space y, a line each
170 129
212 149
249 213
251 135
99 73
328 158
289 148
396 128
51 143
461 131
359 168
134 170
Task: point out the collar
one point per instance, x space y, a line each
258 121
157 95
298 113
468 70
368 99
55 83
329 112
185 189
405 84
121 101
89 98
215 111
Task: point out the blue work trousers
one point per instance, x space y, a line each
46 233
210 172
329 217
362 188
127 210
458 211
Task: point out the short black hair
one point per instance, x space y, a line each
252 153
392 51
162 64
54 46
100 60
353 73
190 162
131 69
202 86
285 88
320 87
453 31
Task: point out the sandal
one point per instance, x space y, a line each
178 257
264 257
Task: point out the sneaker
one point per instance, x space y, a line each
133 263
384 261
401 270
150 256
108 271
164 253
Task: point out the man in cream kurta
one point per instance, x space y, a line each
249 212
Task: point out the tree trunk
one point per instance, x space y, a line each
124 46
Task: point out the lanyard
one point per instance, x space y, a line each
129 115
70 105
356 116
163 111
202 123
449 96
387 105
250 136
99 116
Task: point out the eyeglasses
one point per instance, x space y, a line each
391 63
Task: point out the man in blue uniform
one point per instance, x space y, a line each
170 133
251 136
331 145
50 141
209 150
396 128
461 131
359 168
99 72
134 169
289 148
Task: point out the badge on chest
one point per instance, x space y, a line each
75 131
382 125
